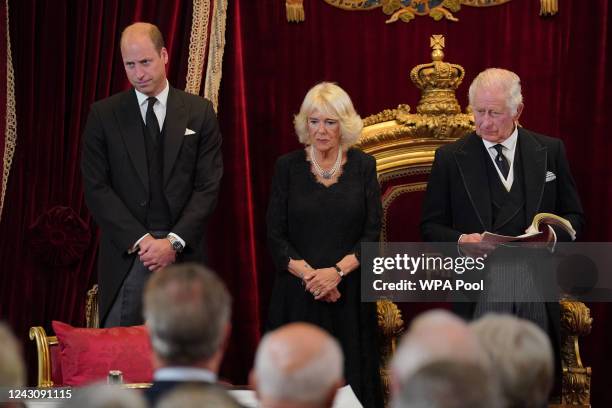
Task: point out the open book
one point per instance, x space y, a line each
540 230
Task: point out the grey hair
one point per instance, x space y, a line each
311 383
186 308
448 384
502 79
434 336
333 101
521 356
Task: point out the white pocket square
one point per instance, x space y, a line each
189 132
550 176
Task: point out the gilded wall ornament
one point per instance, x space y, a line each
408 10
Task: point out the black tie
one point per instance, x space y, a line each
151 120
501 161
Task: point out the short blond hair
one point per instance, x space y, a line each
502 79
330 99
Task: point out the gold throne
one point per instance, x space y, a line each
404 145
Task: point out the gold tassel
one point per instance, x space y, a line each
549 7
295 11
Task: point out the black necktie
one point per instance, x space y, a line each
501 161
151 120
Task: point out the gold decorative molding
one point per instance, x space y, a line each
215 53
398 138
10 132
43 342
198 41
576 322
392 325
408 10
295 10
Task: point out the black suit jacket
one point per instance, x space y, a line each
458 200
116 177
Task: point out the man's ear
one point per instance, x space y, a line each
329 400
519 110
227 331
253 382
163 53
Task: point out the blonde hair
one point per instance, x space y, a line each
502 79
330 99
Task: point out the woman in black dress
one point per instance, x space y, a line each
325 201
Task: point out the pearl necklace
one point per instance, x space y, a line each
326 174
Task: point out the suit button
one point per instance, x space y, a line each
143 203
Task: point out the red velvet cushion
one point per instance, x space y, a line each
88 354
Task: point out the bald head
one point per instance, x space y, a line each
436 335
298 362
141 29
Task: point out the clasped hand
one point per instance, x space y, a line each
322 283
156 253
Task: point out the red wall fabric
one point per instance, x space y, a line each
66 56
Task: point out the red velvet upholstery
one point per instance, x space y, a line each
87 354
56 365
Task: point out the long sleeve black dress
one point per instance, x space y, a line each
307 220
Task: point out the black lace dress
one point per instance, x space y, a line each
307 220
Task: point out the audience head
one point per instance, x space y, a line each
187 311
12 367
436 335
448 384
298 365
521 356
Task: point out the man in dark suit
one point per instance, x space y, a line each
151 166
187 309
496 180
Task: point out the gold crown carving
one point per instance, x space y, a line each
438 81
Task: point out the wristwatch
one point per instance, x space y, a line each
176 244
337 268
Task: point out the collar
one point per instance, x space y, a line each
509 143
162 97
179 373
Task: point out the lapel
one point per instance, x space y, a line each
174 125
533 156
470 158
130 124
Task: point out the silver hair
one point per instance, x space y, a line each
310 383
12 366
448 384
436 335
332 100
186 308
521 355
499 79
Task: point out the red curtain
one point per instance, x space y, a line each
66 56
